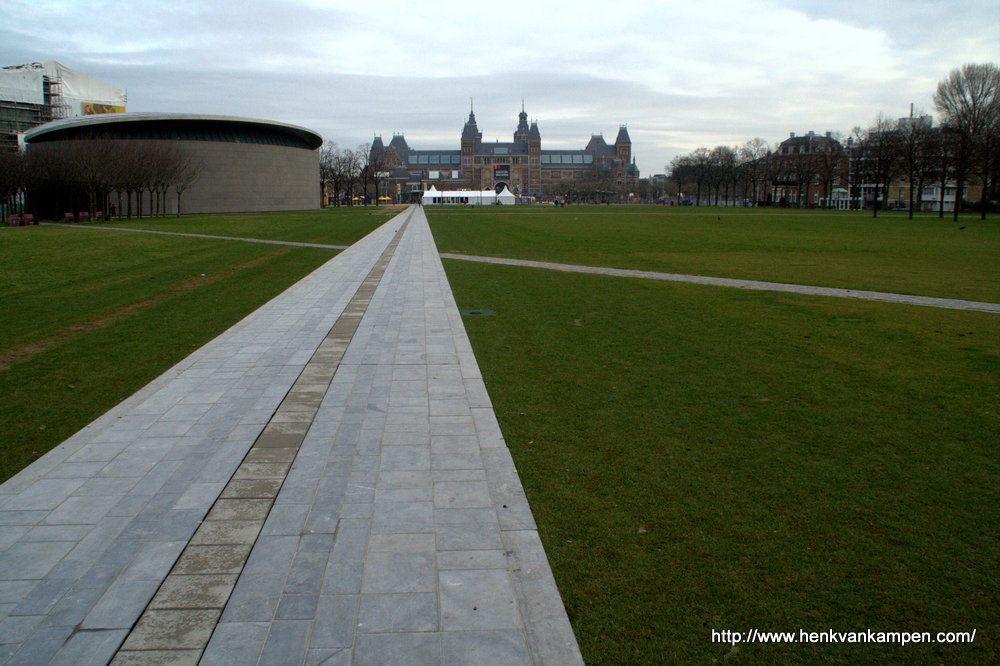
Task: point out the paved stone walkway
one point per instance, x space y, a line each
325 482
905 299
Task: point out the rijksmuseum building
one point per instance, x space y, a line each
522 165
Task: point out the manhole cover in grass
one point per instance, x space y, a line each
476 312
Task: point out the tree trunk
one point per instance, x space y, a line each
920 195
960 173
911 195
982 197
986 181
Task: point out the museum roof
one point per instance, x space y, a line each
113 121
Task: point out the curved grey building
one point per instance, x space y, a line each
241 164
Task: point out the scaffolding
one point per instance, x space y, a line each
37 93
18 115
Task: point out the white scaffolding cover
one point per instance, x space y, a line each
23 83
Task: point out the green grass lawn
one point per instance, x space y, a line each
703 458
91 316
925 256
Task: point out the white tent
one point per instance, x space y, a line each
435 196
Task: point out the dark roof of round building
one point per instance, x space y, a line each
177 127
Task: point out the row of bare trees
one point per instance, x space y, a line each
602 185
11 182
965 147
709 171
726 174
99 175
346 175
909 151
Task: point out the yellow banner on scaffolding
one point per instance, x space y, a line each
93 108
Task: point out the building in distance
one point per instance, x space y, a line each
220 164
522 165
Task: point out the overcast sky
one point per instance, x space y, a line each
679 75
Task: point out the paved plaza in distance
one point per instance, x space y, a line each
325 482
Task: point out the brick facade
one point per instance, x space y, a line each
521 164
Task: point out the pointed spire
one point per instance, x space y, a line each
623 135
521 133
533 133
471 131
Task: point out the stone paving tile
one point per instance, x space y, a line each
287 642
89 647
475 648
236 643
336 620
398 648
172 629
194 591
478 599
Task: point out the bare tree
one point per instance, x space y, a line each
130 177
366 175
55 175
969 102
804 168
327 167
187 172
724 160
713 175
919 155
351 164
377 164
157 161
879 155
753 153
701 163
828 165
681 170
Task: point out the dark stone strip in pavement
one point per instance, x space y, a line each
904 299
189 235
179 620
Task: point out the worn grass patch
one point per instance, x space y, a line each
703 458
925 256
328 226
91 316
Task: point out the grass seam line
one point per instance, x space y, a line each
265 241
834 292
